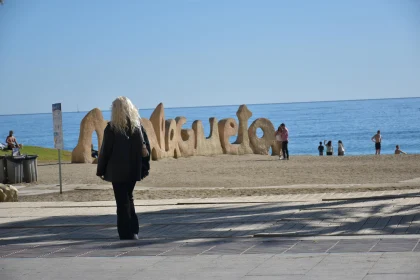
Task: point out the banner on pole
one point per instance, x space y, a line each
58 126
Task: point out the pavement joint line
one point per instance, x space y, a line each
56 251
332 246
206 250
307 272
285 251
246 250
167 251
344 234
58 226
88 252
19 251
100 206
372 197
123 253
415 245
371 248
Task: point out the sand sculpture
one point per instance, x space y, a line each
168 139
210 145
93 121
171 139
186 138
262 145
243 115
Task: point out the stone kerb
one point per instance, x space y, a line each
168 138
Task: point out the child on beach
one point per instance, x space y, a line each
329 146
398 151
340 148
321 149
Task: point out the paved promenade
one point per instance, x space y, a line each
368 235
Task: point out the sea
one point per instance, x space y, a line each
352 122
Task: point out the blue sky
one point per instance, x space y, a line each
205 52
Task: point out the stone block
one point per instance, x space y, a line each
8 193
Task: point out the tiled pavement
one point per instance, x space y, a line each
215 218
113 248
294 237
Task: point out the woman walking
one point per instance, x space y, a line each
120 162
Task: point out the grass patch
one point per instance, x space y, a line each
44 154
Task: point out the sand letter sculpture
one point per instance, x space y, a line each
93 121
168 138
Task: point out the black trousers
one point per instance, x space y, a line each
285 149
127 221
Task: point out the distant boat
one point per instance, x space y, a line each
78 109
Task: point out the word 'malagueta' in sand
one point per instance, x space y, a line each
168 138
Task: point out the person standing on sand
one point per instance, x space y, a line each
340 148
278 139
398 151
377 138
284 135
329 146
120 162
321 149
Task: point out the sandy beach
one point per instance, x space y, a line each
228 175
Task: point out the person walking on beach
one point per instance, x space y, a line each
284 133
278 139
321 149
398 151
377 138
340 148
120 162
329 146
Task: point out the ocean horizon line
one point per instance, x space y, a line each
210 106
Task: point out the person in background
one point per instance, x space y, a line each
321 149
377 138
12 142
94 152
278 139
340 148
284 141
120 162
398 151
329 146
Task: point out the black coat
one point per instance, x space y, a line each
120 158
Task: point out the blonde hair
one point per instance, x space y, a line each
124 115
